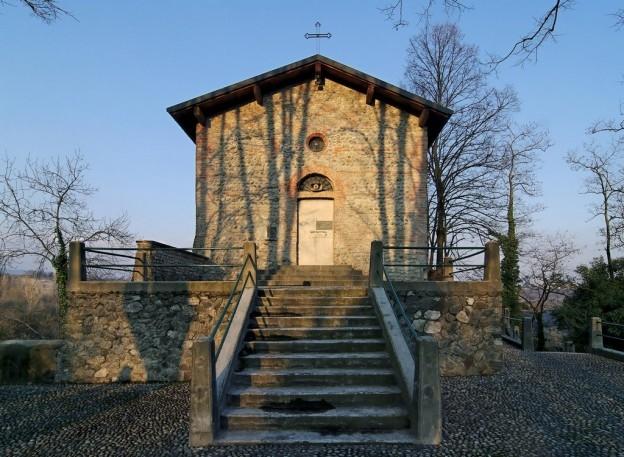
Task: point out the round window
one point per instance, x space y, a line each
316 143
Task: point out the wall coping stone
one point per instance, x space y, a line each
451 287
130 287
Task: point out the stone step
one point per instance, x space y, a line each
314 311
292 301
317 292
312 321
317 360
334 420
255 397
313 275
287 435
311 268
315 345
314 282
290 377
282 334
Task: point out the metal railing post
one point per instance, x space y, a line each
492 262
204 414
251 267
375 271
77 262
527 334
595 333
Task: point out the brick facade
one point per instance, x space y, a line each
250 159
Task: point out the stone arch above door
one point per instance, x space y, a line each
316 183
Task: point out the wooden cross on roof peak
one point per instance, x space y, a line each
317 35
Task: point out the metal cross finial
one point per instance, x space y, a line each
318 35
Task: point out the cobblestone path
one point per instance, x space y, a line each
546 404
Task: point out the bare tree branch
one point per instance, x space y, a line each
464 200
394 11
46 10
606 183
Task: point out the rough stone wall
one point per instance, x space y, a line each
118 331
464 317
250 159
151 254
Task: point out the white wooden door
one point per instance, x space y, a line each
316 232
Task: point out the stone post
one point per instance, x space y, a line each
527 334
204 414
251 267
144 258
595 333
77 262
492 262
447 269
375 271
427 393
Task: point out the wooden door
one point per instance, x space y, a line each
315 241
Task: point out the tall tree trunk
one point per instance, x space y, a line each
541 339
510 269
608 238
61 265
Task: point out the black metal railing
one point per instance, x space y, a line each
407 329
613 335
454 260
218 332
142 260
510 324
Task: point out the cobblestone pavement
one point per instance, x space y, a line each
546 404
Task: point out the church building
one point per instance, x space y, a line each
312 161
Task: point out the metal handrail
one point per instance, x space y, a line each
134 268
433 248
164 249
395 300
614 324
159 265
224 310
455 264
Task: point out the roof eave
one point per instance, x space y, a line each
221 100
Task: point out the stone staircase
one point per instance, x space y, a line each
314 367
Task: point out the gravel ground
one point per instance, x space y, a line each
541 404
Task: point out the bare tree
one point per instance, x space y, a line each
46 10
394 11
520 145
546 275
606 183
610 125
43 208
463 200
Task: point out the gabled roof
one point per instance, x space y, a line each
434 116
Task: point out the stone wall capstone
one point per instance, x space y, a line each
464 317
133 331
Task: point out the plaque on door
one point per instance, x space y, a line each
324 225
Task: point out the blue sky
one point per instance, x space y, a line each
101 85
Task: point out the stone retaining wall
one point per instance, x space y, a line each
464 317
136 331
